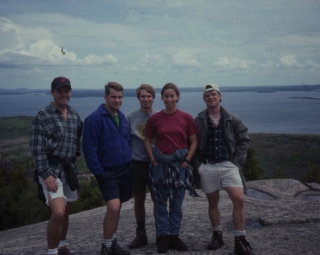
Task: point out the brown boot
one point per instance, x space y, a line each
242 246
163 244
141 239
176 243
216 241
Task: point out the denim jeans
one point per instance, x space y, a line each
169 223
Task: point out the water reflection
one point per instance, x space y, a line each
253 225
312 197
258 194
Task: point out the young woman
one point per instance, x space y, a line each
170 174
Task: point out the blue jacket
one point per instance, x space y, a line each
104 145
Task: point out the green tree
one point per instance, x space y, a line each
313 175
251 170
89 196
19 204
278 174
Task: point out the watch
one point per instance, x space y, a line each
186 161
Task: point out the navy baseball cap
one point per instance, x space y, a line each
58 82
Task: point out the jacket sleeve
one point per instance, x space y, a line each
242 143
90 144
79 133
196 159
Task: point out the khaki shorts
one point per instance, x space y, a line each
63 191
218 176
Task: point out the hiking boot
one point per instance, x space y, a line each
177 243
163 244
64 251
115 249
141 239
216 241
242 246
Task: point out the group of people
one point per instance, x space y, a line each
146 148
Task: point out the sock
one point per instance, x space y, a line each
107 242
239 232
53 251
62 243
141 224
216 228
114 236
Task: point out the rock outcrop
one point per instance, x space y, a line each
288 224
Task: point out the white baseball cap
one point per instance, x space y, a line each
210 87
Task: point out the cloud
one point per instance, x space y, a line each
311 64
290 62
20 45
151 59
184 60
231 63
250 42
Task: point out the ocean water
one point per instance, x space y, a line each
274 112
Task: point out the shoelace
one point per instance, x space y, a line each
245 245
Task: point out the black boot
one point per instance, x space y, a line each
163 244
176 243
242 246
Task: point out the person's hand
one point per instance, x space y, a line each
184 164
155 163
51 184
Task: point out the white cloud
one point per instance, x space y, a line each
231 63
40 51
311 64
290 62
185 41
184 60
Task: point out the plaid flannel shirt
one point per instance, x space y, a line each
173 179
216 147
53 136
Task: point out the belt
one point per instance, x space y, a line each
56 160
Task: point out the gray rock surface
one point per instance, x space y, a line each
290 225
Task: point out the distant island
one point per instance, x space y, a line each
314 98
132 92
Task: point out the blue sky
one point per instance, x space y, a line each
188 42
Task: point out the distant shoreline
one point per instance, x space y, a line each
313 98
130 92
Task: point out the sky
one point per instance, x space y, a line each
188 42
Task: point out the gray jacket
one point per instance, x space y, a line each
235 136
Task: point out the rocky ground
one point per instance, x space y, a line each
288 224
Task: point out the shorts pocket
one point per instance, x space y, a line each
101 176
201 168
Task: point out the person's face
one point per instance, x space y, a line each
212 98
169 98
145 99
113 100
61 96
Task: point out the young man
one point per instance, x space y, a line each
106 147
222 149
137 122
55 135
